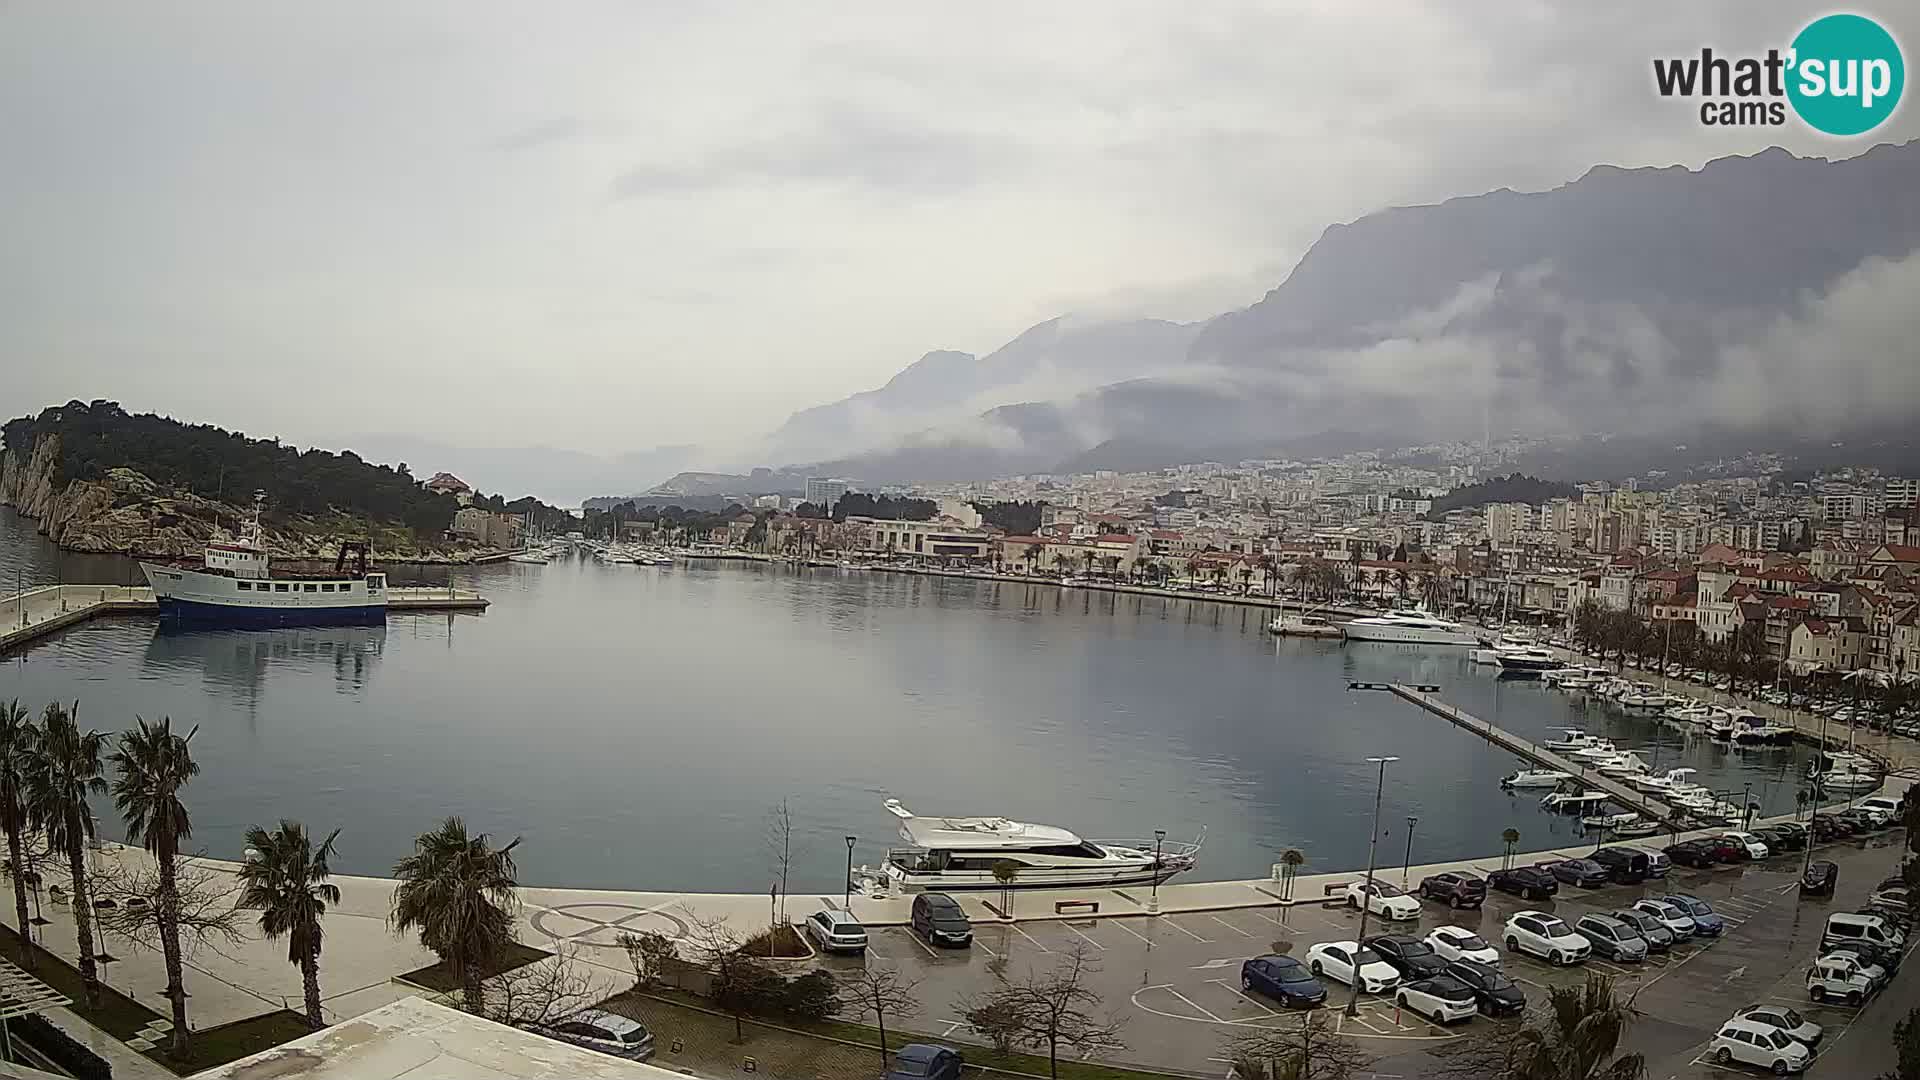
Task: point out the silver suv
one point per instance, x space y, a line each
609 1033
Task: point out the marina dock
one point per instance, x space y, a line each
28 616
1637 801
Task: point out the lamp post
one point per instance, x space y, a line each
847 903
1366 896
1406 866
1746 806
1153 897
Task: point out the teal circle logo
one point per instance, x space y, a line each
1846 74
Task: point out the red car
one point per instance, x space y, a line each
1728 850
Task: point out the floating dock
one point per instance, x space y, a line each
31 615
1638 801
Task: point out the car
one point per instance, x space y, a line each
1493 991
1384 900
1782 1018
1756 1044
1754 847
1842 977
938 919
1872 956
1615 939
1545 936
1781 838
1628 866
1337 959
1726 849
1440 998
1284 979
1796 831
609 1033
1456 888
1655 932
1884 803
835 930
1834 827
1458 943
925 1061
1896 900
1576 871
1671 915
1862 821
1411 957
1695 853
1819 878
1657 862
1706 921
1526 882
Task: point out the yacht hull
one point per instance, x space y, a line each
1401 635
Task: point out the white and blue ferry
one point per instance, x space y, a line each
235 587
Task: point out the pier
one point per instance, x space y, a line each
31 615
1643 804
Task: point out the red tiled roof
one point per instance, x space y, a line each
1115 538
1904 553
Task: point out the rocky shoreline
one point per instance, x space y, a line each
126 513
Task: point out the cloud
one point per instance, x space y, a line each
556 130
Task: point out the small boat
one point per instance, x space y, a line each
530 557
1574 803
1303 624
1529 658
1609 821
1534 778
1575 740
1643 696
1847 780
1597 751
1692 712
1625 767
1667 783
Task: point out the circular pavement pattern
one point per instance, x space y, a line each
600 925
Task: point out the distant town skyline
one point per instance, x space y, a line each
635 228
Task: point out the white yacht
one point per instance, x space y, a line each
954 853
1625 767
1691 712
1529 658
1667 783
529 557
1578 803
1848 780
1535 778
1575 740
1412 627
1643 696
1303 624
1600 750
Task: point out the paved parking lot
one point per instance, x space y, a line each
1176 978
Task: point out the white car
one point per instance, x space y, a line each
1671 915
1442 999
1757 1044
1785 1019
1843 976
1459 943
836 931
1547 937
1756 847
1384 900
1880 804
1335 960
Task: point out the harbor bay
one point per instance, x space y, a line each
636 724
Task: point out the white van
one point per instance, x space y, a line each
1838 977
1853 926
1884 804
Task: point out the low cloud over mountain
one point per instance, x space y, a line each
1752 293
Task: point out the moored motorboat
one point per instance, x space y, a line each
1574 802
1535 778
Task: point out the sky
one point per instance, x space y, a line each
609 227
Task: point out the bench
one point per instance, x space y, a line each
1084 907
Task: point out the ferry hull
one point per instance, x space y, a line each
194 598
200 613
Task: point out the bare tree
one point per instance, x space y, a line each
649 952
540 993
739 984
1303 1049
780 853
1053 1009
128 899
883 992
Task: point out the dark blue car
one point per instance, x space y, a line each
922 1061
1705 921
1283 979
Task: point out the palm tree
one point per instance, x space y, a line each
289 882
63 770
458 891
154 764
1293 859
1578 1036
16 741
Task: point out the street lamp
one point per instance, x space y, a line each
1366 895
1153 898
1406 867
1746 805
847 903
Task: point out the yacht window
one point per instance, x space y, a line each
1081 850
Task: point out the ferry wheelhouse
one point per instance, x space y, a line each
235 586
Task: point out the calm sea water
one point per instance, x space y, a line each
636 725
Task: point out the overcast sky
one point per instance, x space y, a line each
608 227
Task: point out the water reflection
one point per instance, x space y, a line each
242 660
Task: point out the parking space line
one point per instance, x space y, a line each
1036 941
1119 924
1084 937
1237 992
989 949
1204 941
1356 1019
1193 1005
1230 926
916 940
